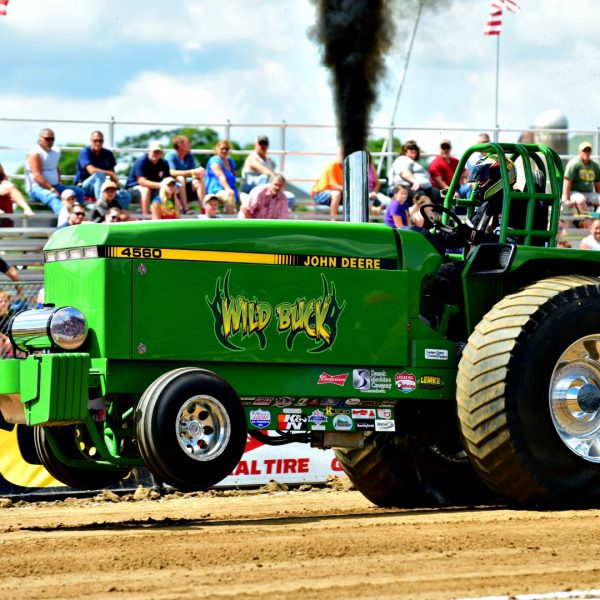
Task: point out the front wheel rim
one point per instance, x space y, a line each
574 397
203 428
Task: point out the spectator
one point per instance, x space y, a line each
113 215
258 167
165 206
443 167
68 199
76 217
6 313
378 200
582 180
9 195
42 177
182 166
328 189
108 200
592 241
407 171
396 213
414 211
211 207
11 273
95 165
266 201
146 174
220 176
482 138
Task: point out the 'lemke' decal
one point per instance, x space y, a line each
237 315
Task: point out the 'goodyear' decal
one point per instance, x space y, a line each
290 260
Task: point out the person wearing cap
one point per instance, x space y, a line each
183 166
266 201
42 176
9 195
581 187
108 200
95 165
258 167
146 174
76 216
220 176
211 207
68 199
443 167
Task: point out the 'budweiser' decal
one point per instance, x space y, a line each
335 379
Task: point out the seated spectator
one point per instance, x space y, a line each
328 188
182 166
146 174
9 195
407 171
76 217
396 213
95 165
11 273
258 167
165 206
443 167
220 176
68 199
114 215
211 207
266 201
581 186
592 241
414 211
108 200
6 314
42 177
378 201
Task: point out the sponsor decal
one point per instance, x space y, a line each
335 379
384 413
272 466
343 262
317 417
317 427
436 354
363 413
364 425
260 418
431 382
406 382
336 411
240 317
385 425
371 381
292 411
263 401
292 422
301 402
342 423
284 401
328 401
350 402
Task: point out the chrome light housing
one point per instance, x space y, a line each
45 328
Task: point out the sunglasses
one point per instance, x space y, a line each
445 146
79 214
100 140
49 139
263 144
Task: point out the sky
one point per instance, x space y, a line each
203 62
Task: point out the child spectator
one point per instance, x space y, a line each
165 206
396 214
211 207
68 199
414 212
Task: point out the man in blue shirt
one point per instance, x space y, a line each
95 165
183 168
145 177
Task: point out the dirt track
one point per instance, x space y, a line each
325 544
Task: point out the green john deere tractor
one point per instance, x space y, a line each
455 365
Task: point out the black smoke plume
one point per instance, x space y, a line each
355 36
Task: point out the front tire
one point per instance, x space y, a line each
191 428
528 394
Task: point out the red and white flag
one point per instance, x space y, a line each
3 5
494 23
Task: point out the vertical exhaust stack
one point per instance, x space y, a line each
356 187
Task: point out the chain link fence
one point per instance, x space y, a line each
14 298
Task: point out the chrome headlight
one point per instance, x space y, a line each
64 327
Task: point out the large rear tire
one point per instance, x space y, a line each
191 428
80 478
528 394
391 470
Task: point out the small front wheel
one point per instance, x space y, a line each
191 428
